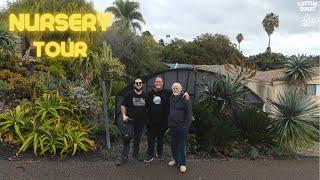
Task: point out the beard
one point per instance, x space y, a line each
176 94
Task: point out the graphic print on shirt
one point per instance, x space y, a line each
138 102
157 99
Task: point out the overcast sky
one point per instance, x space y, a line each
187 19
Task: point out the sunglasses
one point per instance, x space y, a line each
138 82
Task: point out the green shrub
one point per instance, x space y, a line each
213 130
254 126
48 126
115 133
4 86
192 143
57 70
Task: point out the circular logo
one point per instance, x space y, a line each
157 99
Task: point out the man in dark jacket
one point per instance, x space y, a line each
179 120
134 115
158 109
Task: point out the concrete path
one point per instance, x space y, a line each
197 169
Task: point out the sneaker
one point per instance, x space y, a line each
148 159
172 163
122 161
159 156
183 169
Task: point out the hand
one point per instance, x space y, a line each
125 118
186 96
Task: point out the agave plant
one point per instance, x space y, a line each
225 89
297 70
295 120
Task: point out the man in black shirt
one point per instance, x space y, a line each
134 116
158 106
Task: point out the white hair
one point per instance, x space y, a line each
177 84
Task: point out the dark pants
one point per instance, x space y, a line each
155 133
137 134
178 144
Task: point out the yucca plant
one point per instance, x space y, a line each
254 126
14 121
298 70
230 91
296 120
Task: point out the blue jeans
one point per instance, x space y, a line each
137 134
179 144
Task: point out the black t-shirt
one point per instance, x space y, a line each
158 107
136 108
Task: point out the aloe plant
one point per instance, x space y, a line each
296 120
230 91
14 120
49 106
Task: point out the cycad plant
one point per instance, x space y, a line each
298 70
226 90
296 120
254 126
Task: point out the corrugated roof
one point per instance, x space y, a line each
272 75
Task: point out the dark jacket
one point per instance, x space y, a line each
158 108
180 112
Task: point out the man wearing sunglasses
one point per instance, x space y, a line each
134 116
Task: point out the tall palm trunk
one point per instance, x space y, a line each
269 41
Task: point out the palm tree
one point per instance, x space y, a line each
269 22
298 70
295 122
126 13
239 39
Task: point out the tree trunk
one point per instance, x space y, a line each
269 42
105 111
239 46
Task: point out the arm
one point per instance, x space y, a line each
123 112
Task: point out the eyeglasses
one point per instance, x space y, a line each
138 82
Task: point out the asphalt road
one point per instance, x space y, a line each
305 169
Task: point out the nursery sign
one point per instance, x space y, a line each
60 23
